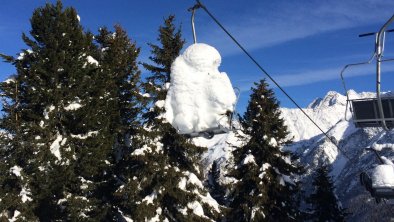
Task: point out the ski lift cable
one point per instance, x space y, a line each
377 156
200 5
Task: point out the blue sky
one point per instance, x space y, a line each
302 44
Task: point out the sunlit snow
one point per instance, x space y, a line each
15 217
248 159
16 170
196 207
10 80
24 195
55 147
93 61
85 136
379 147
149 199
22 54
383 176
199 96
73 106
48 110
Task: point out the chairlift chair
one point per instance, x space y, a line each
209 133
379 192
378 111
219 129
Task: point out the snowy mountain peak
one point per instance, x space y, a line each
316 102
332 98
326 112
314 149
354 95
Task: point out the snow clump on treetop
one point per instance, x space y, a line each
199 97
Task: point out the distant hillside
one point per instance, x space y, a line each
313 149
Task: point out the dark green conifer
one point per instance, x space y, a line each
165 182
171 44
324 202
266 187
48 80
69 114
216 188
121 108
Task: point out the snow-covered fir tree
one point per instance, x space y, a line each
217 189
163 56
166 184
324 203
121 97
67 113
46 93
266 187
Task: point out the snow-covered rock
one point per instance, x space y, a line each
199 96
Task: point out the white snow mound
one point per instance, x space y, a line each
383 176
199 96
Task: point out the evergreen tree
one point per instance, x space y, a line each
216 189
165 182
120 82
162 57
68 115
121 107
266 187
325 205
46 83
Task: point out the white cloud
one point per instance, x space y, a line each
302 77
313 76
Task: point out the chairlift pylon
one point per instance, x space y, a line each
378 111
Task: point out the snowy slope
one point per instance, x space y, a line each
314 149
219 149
325 112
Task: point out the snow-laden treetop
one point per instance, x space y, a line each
199 97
